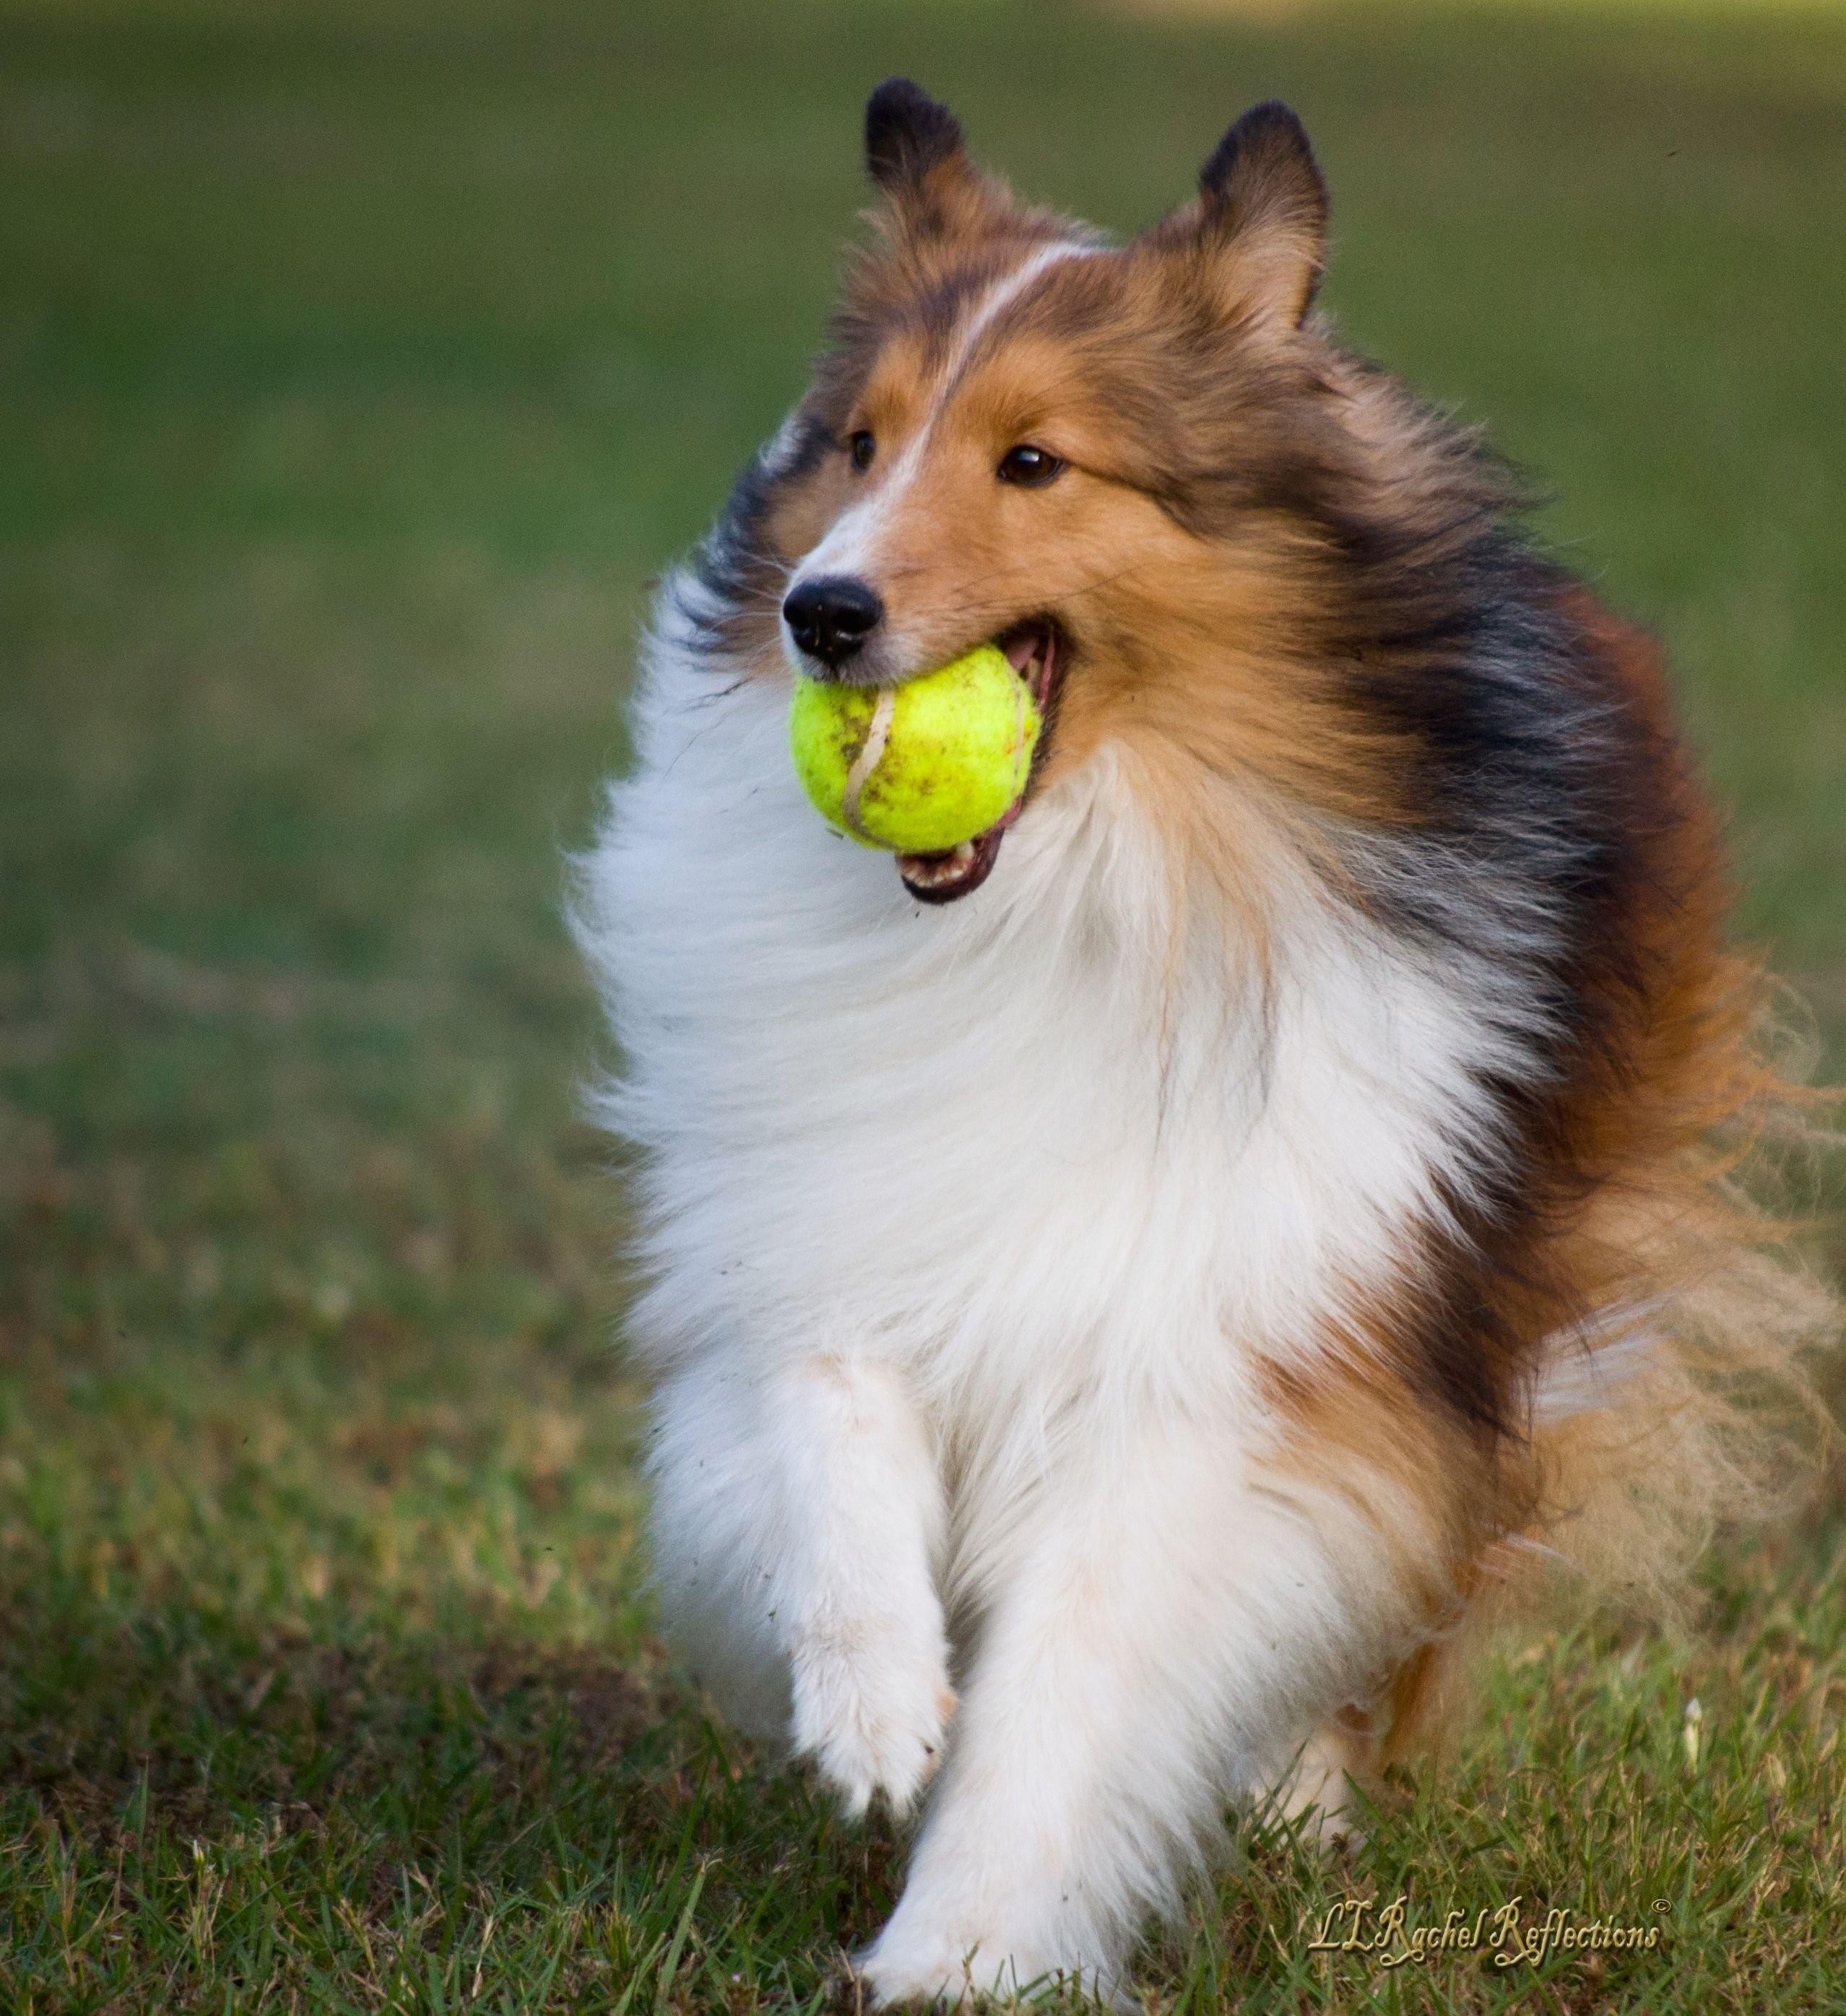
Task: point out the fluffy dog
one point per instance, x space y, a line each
1123 1296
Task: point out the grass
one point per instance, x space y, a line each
361 363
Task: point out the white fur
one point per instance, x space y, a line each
961 1225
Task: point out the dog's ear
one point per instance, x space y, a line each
908 135
1260 222
914 153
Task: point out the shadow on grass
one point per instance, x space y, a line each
261 1812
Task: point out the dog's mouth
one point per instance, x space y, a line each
1035 651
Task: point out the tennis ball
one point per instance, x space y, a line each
917 768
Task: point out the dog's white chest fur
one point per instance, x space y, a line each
1015 1144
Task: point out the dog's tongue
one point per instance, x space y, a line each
1032 653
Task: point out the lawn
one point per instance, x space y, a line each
358 364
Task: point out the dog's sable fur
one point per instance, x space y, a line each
1166 1293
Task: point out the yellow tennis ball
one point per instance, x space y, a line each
917 768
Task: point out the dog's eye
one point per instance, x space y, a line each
861 448
1029 467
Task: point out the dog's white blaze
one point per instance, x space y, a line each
995 1195
850 544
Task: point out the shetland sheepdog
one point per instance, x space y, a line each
1126 1298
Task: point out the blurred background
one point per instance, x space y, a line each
360 361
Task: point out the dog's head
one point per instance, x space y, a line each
1142 469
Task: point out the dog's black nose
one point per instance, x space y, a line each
831 618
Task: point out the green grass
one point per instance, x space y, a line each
359 365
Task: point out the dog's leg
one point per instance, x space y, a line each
797 1520
1159 1625
1315 1788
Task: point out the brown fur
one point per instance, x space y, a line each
1657 1144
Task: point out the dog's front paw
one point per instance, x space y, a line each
938 1980
872 1703
918 1964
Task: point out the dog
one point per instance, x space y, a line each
1129 1299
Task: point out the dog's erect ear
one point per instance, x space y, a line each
907 135
1261 218
913 151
